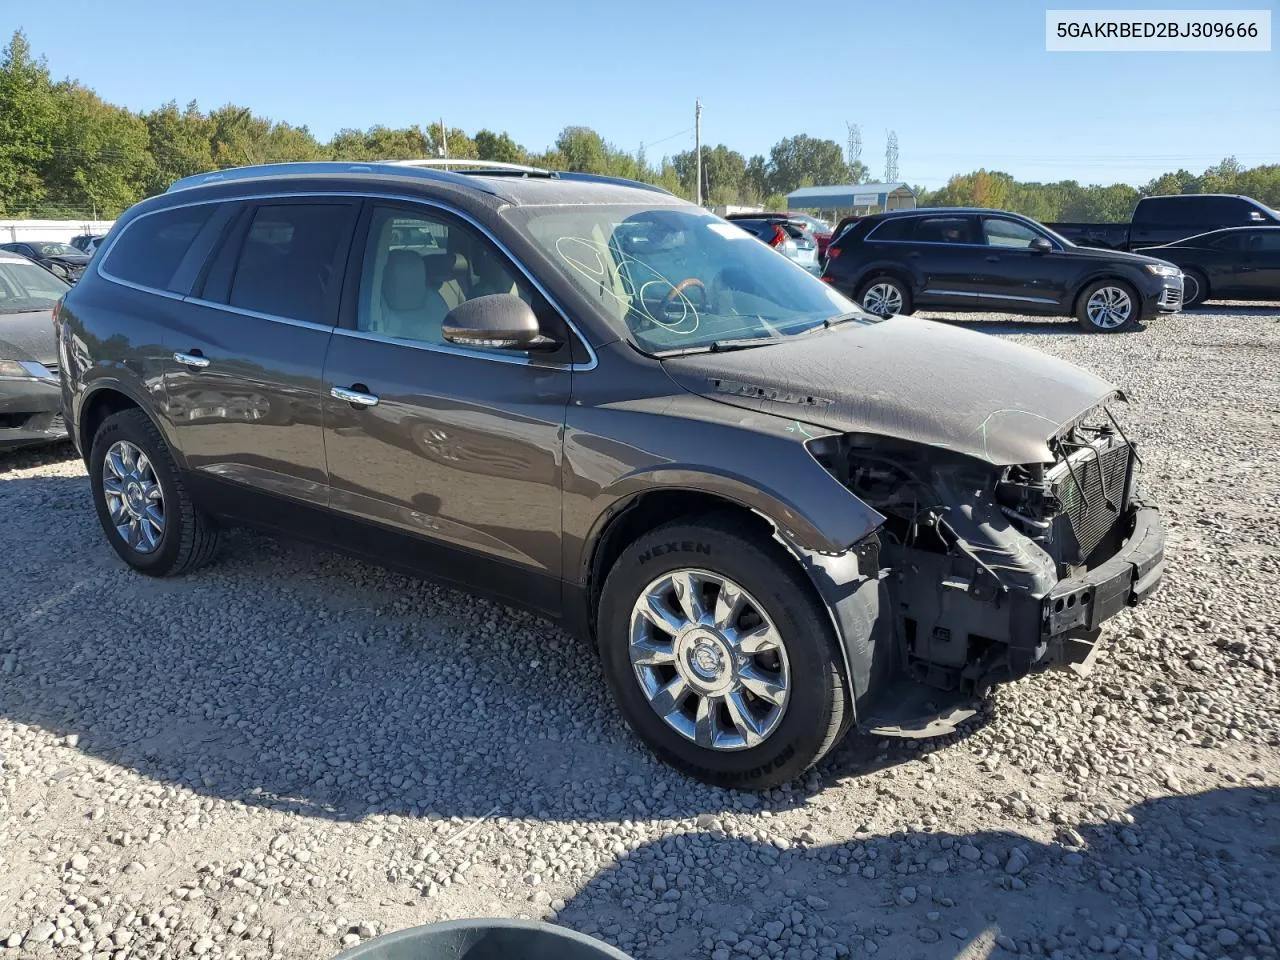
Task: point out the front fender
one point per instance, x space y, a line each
692 444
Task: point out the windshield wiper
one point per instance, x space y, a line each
720 346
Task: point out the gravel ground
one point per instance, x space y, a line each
289 751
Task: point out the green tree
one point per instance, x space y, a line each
724 174
582 150
803 160
27 113
179 144
100 163
499 147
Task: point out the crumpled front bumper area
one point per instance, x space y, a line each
1076 608
30 413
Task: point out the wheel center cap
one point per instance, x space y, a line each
133 494
707 661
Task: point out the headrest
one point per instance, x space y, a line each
443 267
404 282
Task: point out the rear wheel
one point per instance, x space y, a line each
719 657
1195 288
1108 306
143 505
885 297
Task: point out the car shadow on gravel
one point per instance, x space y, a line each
1192 876
30 458
291 677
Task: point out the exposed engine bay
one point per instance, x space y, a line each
987 568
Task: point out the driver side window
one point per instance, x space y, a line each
418 266
1007 233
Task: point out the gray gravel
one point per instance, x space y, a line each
290 752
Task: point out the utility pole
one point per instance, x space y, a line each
444 140
697 149
891 157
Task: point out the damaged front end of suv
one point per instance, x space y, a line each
994 572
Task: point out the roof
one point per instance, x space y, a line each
512 183
841 195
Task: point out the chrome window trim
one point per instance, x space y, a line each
870 237
590 364
974 295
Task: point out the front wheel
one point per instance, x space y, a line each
1108 306
719 656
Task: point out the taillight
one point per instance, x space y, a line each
833 252
779 236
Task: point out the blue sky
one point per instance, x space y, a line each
964 85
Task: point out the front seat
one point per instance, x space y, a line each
410 308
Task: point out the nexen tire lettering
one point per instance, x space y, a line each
684 546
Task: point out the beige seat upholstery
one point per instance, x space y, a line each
411 308
446 274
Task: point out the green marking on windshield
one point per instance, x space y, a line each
798 427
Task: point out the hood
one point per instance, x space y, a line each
916 380
28 336
1112 256
76 259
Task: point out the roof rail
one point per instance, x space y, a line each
319 167
621 181
495 165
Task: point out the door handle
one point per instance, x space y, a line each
192 359
357 398
993 259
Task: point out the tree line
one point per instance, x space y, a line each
67 153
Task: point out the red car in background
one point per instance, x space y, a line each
819 229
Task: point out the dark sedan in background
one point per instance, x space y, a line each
30 394
61 259
1238 263
959 258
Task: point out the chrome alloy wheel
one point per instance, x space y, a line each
882 299
134 498
710 661
1109 307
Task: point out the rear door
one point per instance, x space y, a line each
246 354
448 459
1013 275
946 254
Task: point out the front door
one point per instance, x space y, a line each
248 349
443 459
1013 276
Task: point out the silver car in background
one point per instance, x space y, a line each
790 237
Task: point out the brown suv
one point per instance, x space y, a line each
776 517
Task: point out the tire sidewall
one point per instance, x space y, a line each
800 735
1082 311
130 425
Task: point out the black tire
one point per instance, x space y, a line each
190 537
1199 288
903 291
1082 307
813 718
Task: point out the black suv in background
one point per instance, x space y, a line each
594 400
960 258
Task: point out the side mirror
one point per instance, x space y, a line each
1040 245
500 320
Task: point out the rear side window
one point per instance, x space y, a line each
1192 211
149 250
944 230
897 229
291 261
1227 241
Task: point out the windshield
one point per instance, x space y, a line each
25 286
56 249
675 278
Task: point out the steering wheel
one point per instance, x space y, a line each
680 289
